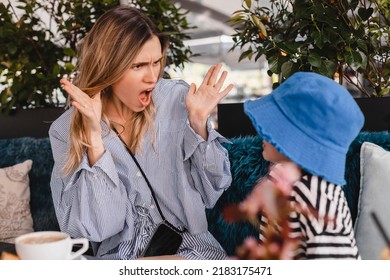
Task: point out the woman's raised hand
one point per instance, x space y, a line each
91 110
89 107
202 101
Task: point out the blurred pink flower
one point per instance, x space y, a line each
271 196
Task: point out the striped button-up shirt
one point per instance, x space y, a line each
187 173
322 222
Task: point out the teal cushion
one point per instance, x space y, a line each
374 197
247 166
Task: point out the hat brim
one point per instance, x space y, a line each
276 128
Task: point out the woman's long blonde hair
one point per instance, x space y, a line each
105 54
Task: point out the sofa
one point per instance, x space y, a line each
247 165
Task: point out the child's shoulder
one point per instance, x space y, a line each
317 192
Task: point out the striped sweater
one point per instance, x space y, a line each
328 232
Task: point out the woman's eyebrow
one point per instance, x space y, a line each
141 63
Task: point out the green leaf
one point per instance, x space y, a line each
386 68
259 54
237 19
362 12
273 65
348 58
245 54
317 39
356 61
370 11
287 69
56 70
364 60
362 44
330 67
315 60
69 52
248 3
69 66
12 49
384 91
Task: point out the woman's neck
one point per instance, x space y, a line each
117 113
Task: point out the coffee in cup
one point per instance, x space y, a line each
49 245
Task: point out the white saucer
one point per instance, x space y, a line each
80 258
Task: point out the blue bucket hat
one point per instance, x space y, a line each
312 120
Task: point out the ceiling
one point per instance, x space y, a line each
210 17
212 37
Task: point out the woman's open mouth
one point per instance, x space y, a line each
145 97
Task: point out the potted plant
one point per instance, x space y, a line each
39 41
348 40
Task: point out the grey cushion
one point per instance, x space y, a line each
374 196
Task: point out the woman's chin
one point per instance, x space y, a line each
141 107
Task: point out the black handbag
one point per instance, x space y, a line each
167 238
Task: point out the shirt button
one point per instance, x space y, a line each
139 173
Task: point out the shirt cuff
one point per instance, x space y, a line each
104 166
192 140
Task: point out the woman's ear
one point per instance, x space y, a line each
106 92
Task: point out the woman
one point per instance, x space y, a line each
121 105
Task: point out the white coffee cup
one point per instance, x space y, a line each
49 245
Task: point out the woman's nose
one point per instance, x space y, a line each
151 75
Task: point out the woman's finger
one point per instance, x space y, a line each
206 78
192 89
214 74
69 88
78 106
221 80
75 93
226 90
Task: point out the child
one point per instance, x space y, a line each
311 120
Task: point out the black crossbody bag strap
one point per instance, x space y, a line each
149 185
